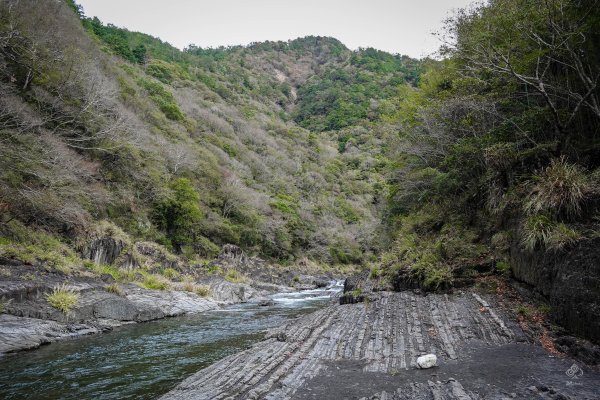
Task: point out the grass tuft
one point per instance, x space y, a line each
115 288
155 282
561 187
63 298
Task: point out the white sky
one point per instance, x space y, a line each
396 26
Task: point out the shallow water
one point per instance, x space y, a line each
143 361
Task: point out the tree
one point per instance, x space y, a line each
139 54
179 214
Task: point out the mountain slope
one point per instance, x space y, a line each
272 146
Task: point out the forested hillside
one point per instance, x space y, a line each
496 164
428 172
275 147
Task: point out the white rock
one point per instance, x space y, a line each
427 361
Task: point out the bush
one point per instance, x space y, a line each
179 214
536 231
63 298
163 99
540 230
374 273
202 290
503 267
562 236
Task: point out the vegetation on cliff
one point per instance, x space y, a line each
497 149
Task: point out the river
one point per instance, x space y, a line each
143 361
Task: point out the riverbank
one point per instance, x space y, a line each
369 350
29 320
143 361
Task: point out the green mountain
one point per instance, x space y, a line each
274 147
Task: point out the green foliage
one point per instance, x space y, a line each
155 282
37 247
503 267
163 98
561 187
63 298
375 273
178 213
471 136
229 150
285 203
170 273
234 276
541 231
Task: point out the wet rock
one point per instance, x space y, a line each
34 322
266 303
21 333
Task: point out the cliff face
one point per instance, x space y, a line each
570 280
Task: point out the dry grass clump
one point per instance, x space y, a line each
561 188
115 288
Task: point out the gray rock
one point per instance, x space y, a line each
230 293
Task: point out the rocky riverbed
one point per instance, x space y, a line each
29 321
369 351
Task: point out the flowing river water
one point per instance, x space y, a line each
143 361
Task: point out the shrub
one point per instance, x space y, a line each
179 214
214 270
202 290
36 246
503 267
3 305
189 286
561 187
374 273
163 99
62 298
541 230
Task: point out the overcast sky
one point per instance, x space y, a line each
397 26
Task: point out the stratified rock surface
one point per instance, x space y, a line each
369 350
33 322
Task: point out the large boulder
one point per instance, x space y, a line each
230 293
